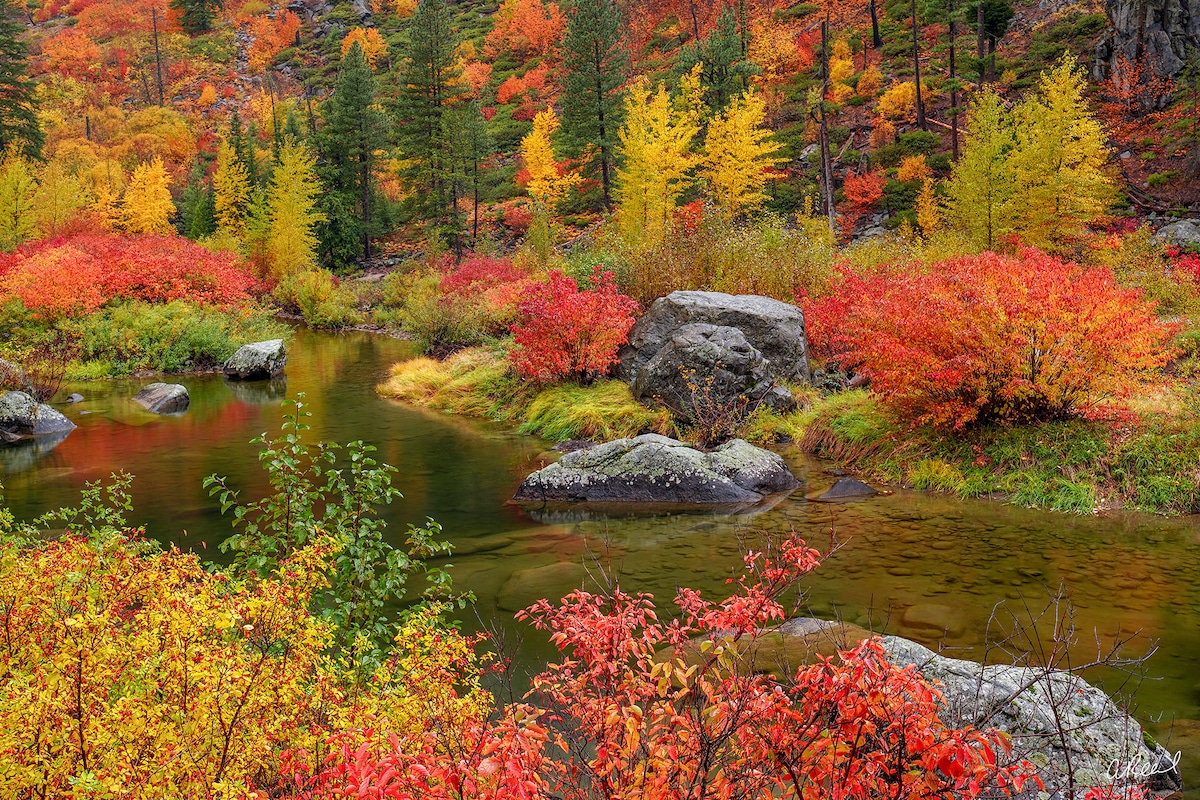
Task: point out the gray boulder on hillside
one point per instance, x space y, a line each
163 398
702 363
652 469
21 417
773 328
1181 233
257 361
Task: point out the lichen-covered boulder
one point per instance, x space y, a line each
21 416
653 469
163 398
257 361
1183 233
709 365
773 328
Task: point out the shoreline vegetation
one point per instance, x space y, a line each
1077 466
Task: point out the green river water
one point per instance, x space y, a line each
928 567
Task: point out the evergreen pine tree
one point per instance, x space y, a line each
18 118
597 64
353 129
725 71
196 16
199 206
468 146
429 86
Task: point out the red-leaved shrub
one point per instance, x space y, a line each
992 338
477 273
65 277
564 332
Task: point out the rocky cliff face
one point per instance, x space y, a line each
1166 32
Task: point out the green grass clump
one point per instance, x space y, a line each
476 382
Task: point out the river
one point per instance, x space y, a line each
909 563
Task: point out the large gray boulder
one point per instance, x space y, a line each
653 469
257 361
1166 31
773 328
713 365
163 398
21 417
1071 731
1182 233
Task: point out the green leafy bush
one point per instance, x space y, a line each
321 299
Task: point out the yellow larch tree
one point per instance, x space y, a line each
105 182
981 184
1059 156
59 198
548 185
17 188
291 201
231 191
738 150
656 145
147 206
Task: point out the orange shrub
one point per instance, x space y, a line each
992 338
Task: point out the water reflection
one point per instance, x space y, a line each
927 567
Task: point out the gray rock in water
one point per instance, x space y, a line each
773 328
21 416
1182 233
163 398
1032 707
845 489
713 365
74 397
257 361
651 469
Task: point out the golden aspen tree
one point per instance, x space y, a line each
547 185
737 152
58 199
17 187
231 187
147 206
372 43
291 204
1059 156
105 181
981 183
656 144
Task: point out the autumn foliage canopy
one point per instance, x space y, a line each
992 338
66 277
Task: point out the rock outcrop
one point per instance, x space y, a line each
720 350
1164 31
23 417
257 361
653 469
163 398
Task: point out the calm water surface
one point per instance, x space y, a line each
908 563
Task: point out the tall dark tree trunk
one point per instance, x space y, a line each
605 179
953 85
366 205
876 39
916 54
823 130
157 54
979 39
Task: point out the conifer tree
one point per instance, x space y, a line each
982 183
196 16
469 146
18 117
429 87
1059 160
17 187
597 64
737 152
291 202
353 130
725 71
147 203
231 191
199 209
656 145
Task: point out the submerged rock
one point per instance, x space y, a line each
163 398
257 361
845 489
651 469
21 416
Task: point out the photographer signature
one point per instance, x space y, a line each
1141 768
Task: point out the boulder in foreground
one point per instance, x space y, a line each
652 469
163 398
257 361
22 417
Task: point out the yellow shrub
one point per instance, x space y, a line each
899 101
870 81
913 168
208 96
